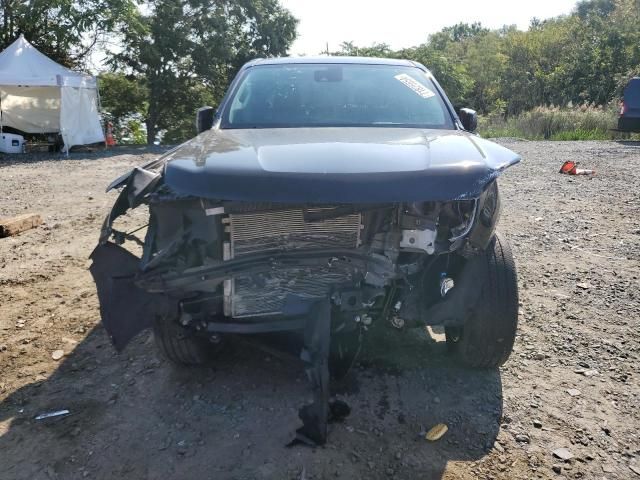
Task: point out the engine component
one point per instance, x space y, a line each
446 284
397 322
418 240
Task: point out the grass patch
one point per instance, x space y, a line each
586 122
580 134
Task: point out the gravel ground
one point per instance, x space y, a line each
571 383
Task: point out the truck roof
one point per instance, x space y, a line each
329 60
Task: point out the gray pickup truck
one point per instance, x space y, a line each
324 197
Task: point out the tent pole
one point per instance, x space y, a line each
97 77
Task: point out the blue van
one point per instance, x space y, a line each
629 120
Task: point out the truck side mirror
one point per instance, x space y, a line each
469 119
204 118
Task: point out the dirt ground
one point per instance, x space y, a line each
572 381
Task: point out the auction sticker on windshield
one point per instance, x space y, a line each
415 85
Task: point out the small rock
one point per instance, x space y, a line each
563 454
57 354
537 423
556 468
182 447
522 438
498 447
574 392
583 286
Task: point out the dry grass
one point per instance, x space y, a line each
585 122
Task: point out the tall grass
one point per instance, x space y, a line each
586 122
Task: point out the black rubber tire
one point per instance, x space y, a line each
487 338
179 345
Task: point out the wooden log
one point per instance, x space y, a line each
13 225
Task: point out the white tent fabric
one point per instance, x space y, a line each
37 95
30 109
80 119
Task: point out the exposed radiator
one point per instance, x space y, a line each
285 230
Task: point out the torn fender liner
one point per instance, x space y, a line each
126 310
462 300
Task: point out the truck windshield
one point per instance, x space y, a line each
335 95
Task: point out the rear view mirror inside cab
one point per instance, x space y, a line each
332 73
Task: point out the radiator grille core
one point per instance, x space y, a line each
286 230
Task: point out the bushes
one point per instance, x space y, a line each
586 122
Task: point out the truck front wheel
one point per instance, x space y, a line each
487 337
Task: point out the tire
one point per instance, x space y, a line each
487 337
179 345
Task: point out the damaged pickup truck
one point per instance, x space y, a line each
325 196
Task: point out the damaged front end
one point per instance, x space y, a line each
234 267
329 271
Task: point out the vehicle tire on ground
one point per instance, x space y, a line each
179 345
487 337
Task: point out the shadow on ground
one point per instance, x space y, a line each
135 417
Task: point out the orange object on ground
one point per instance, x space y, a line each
109 137
571 168
568 167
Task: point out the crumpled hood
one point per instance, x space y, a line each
335 165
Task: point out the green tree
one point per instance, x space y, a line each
186 50
458 33
381 50
124 102
584 57
65 30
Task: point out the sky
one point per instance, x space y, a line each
404 23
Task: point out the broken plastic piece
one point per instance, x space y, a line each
437 432
56 413
338 411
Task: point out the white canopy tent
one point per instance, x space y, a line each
37 95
